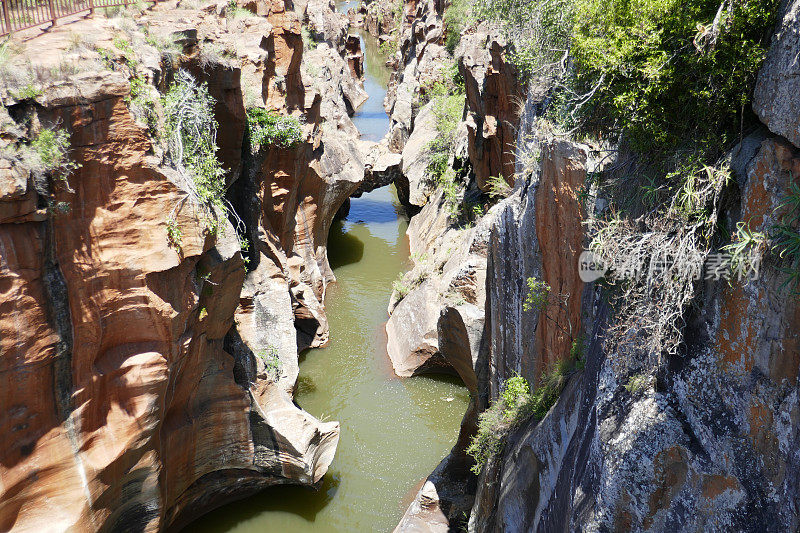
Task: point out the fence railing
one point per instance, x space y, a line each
21 14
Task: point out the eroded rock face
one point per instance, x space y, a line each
444 289
775 100
417 63
539 234
707 444
416 156
130 385
150 381
493 96
379 18
326 24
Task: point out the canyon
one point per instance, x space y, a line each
163 353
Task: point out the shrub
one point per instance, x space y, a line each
127 52
400 287
538 294
28 92
746 248
786 238
49 153
636 382
448 81
457 16
538 33
269 128
142 102
515 405
234 11
669 72
515 392
388 47
657 259
309 43
190 136
164 43
487 441
448 110
272 362
174 235
498 187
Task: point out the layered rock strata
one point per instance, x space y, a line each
149 381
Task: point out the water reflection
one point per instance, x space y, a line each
343 248
367 210
371 118
301 502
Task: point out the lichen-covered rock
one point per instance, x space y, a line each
708 443
775 99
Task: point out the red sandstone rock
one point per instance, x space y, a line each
493 93
133 399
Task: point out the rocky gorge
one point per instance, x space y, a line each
156 326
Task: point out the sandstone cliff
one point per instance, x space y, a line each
150 360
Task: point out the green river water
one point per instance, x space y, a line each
393 432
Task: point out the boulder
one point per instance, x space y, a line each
325 24
416 155
775 99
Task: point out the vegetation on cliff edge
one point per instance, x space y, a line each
269 128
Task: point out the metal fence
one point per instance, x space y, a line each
21 14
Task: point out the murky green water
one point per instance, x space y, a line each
394 432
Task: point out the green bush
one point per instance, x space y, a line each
272 362
636 382
661 71
52 146
49 153
191 141
664 73
400 288
538 295
515 405
27 92
142 102
388 47
515 393
448 110
538 32
785 238
174 235
498 187
269 128
457 16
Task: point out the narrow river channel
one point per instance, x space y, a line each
393 432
